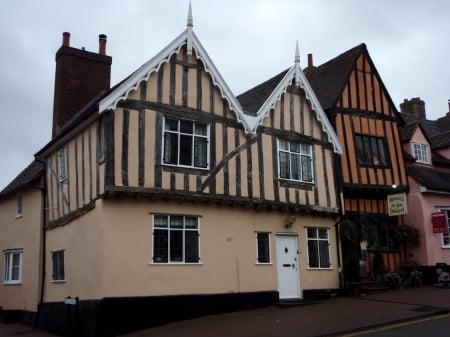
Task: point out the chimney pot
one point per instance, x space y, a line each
102 44
310 60
66 39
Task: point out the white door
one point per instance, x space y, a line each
287 266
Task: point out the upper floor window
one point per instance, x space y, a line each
58 265
12 273
19 206
62 165
446 236
185 143
175 239
295 161
371 151
263 247
421 152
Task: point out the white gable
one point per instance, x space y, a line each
249 122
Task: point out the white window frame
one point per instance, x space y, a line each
193 135
19 206
269 248
301 154
55 256
318 240
8 267
62 165
446 236
422 155
169 230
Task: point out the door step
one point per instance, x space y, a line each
294 302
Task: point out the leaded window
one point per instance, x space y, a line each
318 247
371 151
295 161
263 247
185 143
176 239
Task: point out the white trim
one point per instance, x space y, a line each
250 123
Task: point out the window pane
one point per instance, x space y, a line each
323 233
176 246
171 124
367 152
382 152
201 129
312 233
284 165
176 222
306 168
284 145
295 167
191 222
191 246
160 221
160 246
306 149
170 148
313 254
186 127
295 147
263 248
324 254
200 152
185 150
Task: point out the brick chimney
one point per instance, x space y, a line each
80 75
414 106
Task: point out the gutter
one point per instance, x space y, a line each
44 240
423 189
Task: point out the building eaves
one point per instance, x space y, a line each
28 177
434 180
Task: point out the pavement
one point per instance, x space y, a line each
331 317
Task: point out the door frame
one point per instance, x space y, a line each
294 237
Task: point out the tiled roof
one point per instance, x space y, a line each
437 132
329 79
429 178
253 99
26 178
440 160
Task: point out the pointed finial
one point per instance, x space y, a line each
190 21
297 65
190 24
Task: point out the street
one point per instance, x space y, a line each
436 326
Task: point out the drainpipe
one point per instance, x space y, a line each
44 239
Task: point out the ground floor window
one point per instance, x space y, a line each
263 247
446 236
176 238
13 267
318 247
58 265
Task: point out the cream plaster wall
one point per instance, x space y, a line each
82 242
22 233
227 251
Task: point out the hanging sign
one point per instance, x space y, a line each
397 204
439 222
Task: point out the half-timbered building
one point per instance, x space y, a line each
167 197
371 167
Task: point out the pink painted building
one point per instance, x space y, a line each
426 145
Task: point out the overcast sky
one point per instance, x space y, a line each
248 40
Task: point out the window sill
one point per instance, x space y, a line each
18 216
263 263
175 264
330 268
9 283
301 185
58 281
